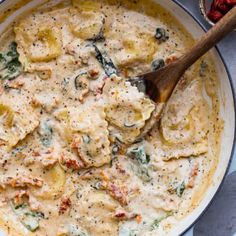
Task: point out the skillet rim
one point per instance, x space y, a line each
233 90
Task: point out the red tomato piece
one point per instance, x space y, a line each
215 15
231 2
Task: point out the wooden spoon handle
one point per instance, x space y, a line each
226 25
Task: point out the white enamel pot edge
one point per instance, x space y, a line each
226 95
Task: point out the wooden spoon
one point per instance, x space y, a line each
164 80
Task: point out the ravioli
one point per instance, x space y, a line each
54 186
184 126
87 25
96 213
136 46
38 39
127 109
86 130
16 123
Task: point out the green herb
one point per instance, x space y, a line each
203 68
158 64
86 139
180 189
23 205
2 60
36 214
12 53
13 66
46 132
157 221
30 219
144 173
105 61
65 82
10 67
143 159
161 35
139 154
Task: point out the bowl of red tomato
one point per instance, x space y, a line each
214 10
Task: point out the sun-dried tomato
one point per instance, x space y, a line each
219 8
215 15
64 205
231 2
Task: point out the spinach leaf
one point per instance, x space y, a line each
2 61
46 132
13 66
144 173
180 189
203 69
10 67
30 219
86 139
157 221
12 53
161 35
139 154
143 159
105 61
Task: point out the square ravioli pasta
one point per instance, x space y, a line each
127 110
184 124
38 38
86 130
16 122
